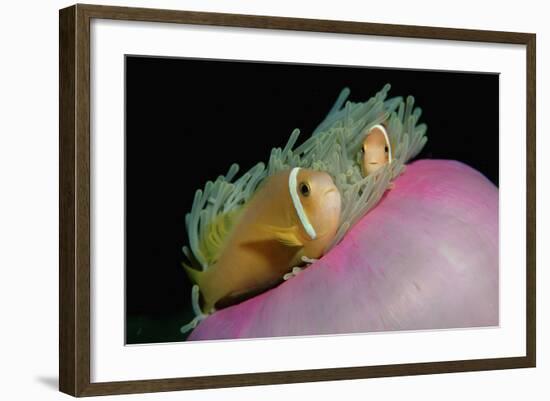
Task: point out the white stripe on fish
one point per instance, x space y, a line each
292 187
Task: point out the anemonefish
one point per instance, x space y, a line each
295 213
376 149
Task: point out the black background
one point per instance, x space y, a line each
188 120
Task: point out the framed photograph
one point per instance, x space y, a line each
250 200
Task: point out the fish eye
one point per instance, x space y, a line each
305 189
386 149
362 149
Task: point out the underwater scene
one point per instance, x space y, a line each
280 199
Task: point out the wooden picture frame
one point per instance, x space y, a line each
74 206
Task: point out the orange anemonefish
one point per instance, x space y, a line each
376 149
295 213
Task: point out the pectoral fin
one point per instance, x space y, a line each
288 236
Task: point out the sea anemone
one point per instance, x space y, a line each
334 147
426 257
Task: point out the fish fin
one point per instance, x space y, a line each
194 274
237 297
211 244
288 236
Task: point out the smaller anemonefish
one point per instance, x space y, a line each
376 150
294 214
